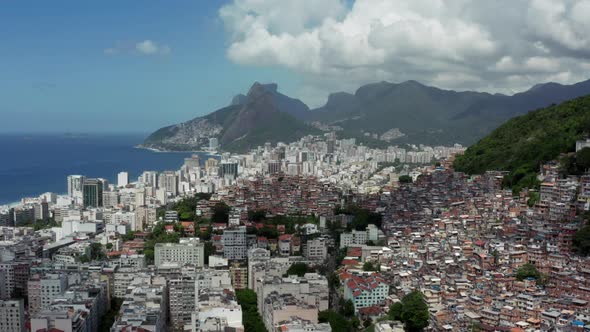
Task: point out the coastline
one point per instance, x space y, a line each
152 149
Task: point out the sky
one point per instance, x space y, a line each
135 66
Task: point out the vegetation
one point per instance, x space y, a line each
269 229
299 269
362 217
368 266
220 213
412 311
159 235
528 270
250 317
256 216
405 179
534 198
521 144
41 224
581 241
107 320
575 163
187 207
129 236
337 321
346 308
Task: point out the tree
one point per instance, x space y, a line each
109 246
395 311
96 252
496 256
534 198
405 179
257 215
337 321
298 269
347 308
528 270
581 241
250 316
128 237
333 280
220 213
412 311
368 266
583 160
209 250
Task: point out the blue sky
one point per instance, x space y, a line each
57 76
137 65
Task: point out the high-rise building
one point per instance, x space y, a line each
122 179
43 289
24 215
229 169
211 165
92 193
169 181
6 217
76 187
149 179
213 143
316 249
235 245
12 316
182 301
186 251
41 211
192 161
274 167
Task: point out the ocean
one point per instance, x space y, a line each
32 164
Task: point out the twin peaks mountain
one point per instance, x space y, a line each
263 115
414 112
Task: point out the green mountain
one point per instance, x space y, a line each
521 144
264 115
377 114
431 115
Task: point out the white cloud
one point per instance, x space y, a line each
145 47
501 45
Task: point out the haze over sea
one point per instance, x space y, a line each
32 164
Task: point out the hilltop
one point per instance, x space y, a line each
524 142
263 115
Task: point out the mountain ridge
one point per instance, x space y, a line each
424 114
263 115
521 144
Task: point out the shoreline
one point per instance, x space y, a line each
15 203
211 153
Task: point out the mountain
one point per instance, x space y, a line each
263 115
416 112
292 106
521 144
431 115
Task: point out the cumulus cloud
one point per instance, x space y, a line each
496 46
145 47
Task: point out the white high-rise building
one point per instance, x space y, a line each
213 143
12 316
42 290
186 251
76 187
122 179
